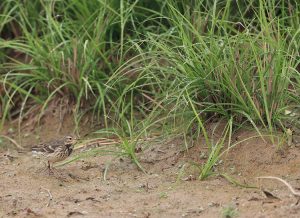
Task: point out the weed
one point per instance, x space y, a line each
229 212
163 195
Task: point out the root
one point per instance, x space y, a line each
50 196
12 141
292 190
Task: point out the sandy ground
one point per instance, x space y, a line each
169 189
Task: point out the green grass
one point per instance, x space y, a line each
229 212
171 63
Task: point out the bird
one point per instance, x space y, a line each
55 150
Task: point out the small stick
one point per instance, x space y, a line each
50 196
295 193
161 151
12 141
151 99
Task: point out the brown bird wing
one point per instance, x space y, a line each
49 147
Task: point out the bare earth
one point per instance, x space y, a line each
168 189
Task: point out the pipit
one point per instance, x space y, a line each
55 150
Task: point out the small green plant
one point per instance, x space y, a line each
163 195
215 152
229 212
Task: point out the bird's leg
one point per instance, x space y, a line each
49 168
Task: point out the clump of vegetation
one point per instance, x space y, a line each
229 212
135 63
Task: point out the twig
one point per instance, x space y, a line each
12 141
99 143
50 196
151 99
295 193
161 151
104 141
